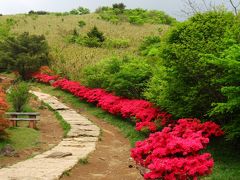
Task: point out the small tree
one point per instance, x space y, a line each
19 96
120 6
24 54
81 23
96 34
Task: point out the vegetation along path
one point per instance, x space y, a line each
79 142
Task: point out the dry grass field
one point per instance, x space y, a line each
69 59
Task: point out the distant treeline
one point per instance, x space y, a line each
38 12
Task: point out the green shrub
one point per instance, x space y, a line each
136 20
132 79
94 33
24 54
182 83
80 11
99 75
81 23
90 42
150 46
19 96
134 16
227 110
94 38
125 77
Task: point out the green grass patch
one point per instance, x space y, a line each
21 138
127 128
65 126
226 158
83 161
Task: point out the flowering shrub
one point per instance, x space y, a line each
142 112
174 153
44 78
3 108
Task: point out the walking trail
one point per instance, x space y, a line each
79 142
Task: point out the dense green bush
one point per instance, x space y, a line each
24 54
94 33
182 83
125 77
228 110
81 23
19 96
137 20
134 16
150 46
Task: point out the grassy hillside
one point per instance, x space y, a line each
70 58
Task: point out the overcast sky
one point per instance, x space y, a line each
172 7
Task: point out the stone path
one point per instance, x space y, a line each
80 141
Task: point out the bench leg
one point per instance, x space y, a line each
13 123
32 124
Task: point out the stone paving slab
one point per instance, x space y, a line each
80 141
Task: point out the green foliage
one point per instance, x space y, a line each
120 6
91 42
135 16
19 96
228 110
126 77
5 28
182 82
150 46
83 161
24 54
81 23
94 33
136 20
80 11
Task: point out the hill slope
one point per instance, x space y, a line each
69 59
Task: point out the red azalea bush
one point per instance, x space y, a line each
3 108
143 112
174 153
44 78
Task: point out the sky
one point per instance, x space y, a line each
172 7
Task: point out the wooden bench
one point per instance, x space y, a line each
32 117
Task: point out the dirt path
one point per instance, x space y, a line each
110 161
